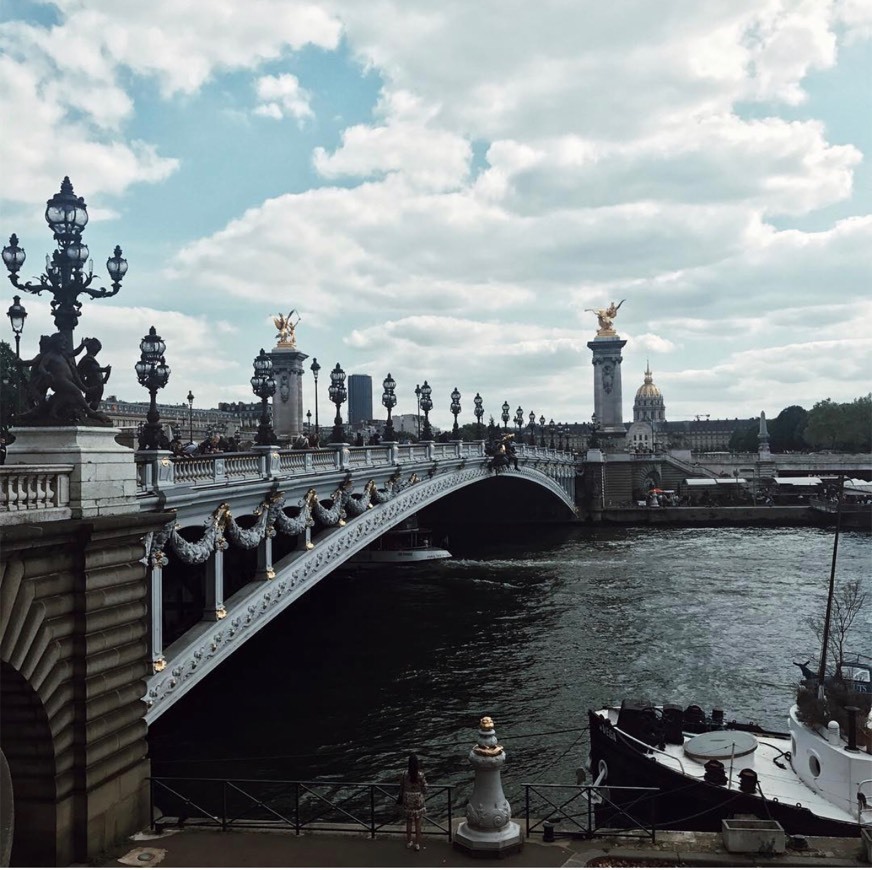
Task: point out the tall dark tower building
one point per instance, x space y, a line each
359 399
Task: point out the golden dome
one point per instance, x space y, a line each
648 390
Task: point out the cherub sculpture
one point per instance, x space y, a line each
285 326
606 317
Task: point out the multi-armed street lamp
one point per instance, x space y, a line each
67 216
455 409
315 368
519 420
542 430
389 400
506 416
426 404
479 413
263 385
153 373
338 394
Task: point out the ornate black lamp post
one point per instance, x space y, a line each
519 420
426 404
308 421
542 431
153 373
338 394
418 415
17 315
64 277
315 368
389 400
455 409
190 416
533 428
479 413
505 416
551 432
263 385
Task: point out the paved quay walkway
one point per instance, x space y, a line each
213 848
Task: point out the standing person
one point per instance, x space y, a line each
413 788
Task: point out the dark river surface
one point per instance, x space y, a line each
531 630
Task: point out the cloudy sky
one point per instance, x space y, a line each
441 190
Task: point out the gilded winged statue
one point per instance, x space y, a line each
285 326
606 317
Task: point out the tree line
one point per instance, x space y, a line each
845 427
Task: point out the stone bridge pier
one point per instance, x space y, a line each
73 662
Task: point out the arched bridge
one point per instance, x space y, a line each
253 532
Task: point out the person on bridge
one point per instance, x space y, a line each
413 788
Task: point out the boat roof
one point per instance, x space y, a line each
713 481
798 481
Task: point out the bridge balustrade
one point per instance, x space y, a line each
33 488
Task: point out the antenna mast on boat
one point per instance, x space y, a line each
826 633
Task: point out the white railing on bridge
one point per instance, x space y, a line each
43 490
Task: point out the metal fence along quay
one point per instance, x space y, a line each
589 811
277 804
552 810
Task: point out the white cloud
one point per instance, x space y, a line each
282 95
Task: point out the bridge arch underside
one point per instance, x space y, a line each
501 499
519 496
26 742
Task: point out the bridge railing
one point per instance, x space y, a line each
159 470
275 804
37 489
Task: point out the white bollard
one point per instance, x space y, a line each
488 828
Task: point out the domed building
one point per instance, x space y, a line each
649 410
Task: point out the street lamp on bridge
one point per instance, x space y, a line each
152 373
542 431
455 409
505 416
418 415
426 406
17 315
519 420
315 368
551 432
190 416
67 216
479 413
263 385
338 394
532 428
389 400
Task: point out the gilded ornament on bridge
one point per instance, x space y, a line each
486 724
606 317
285 326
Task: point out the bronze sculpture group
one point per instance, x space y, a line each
61 392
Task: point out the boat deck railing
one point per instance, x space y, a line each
588 811
274 804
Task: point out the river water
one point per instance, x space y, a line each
531 630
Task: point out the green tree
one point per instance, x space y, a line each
841 426
744 438
786 430
13 382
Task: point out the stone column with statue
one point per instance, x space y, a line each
288 372
607 359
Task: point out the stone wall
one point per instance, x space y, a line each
74 654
